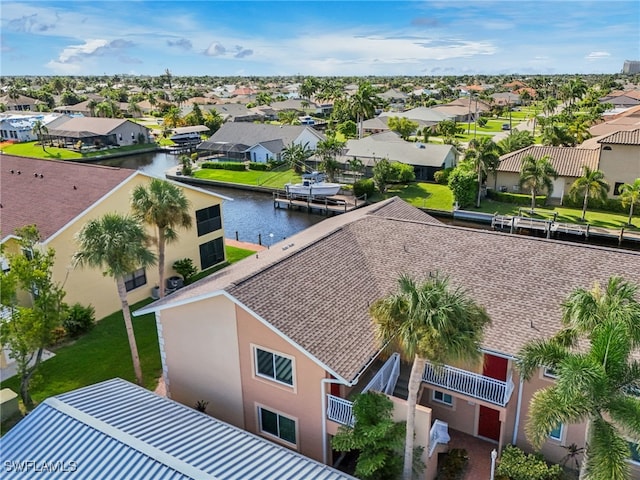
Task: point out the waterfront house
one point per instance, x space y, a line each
287 333
620 158
60 197
98 132
567 162
115 429
18 125
21 103
258 142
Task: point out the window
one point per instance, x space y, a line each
635 452
608 148
274 366
549 372
556 433
211 253
616 188
208 220
135 279
442 397
277 425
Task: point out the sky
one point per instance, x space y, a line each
319 38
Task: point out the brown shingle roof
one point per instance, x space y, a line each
316 287
93 125
623 137
50 202
566 161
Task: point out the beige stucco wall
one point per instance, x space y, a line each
201 357
89 286
302 402
512 179
620 164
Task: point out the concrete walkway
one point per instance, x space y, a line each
10 370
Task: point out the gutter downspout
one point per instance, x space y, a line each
518 406
323 397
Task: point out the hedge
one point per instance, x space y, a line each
610 205
263 167
364 186
236 166
516 198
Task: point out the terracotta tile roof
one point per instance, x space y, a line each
567 161
51 202
316 287
624 137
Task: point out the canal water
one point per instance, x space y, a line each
250 215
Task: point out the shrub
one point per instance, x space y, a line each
464 185
185 268
442 176
517 198
402 173
482 121
518 465
79 319
58 334
364 186
610 205
235 166
454 464
263 167
201 406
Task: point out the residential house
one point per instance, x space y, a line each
230 112
60 197
425 158
394 98
622 98
258 142
18 126
506 98
629 119
116 429
425 117
287 333
620 158
20 104
567 162
297 105
99 132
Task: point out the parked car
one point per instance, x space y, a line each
506 126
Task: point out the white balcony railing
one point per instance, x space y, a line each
439 434
469 383
385 379
340 410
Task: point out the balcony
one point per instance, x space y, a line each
471 384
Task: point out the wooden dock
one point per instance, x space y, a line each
327 206
551 227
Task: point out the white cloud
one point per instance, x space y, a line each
73 52
597 56
215 50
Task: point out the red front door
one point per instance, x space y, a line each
495 367
489 423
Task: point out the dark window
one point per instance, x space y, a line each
211 253
635 452
208 220
606 148
135 279
277 425
274 366
616 188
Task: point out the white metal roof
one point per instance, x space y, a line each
115 429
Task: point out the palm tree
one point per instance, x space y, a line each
485 155
163 205
116 244
328 150
592 386
296 154
428 321
536 175
40 129
363 104
590 184
288 117
630 195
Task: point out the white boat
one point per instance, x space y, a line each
312 185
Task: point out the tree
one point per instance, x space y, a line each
447 128
348 128
462 182
536 175
382 174
485 157
375 436
328 150
516 140
288 117
630 195
173 117
29 330
213 121
592 386
40 129
116 244
590 184
403 126
428 321
363 104
164 206
296 155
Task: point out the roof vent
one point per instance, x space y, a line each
35 175
75 188
12 171
41 175
19 172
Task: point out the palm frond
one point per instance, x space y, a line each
607 453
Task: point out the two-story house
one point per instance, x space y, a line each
279 342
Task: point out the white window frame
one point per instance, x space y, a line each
442 400
274 379
547 372
277 438
561 437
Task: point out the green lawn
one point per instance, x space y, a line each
424 195
104 353
275 179
34 150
